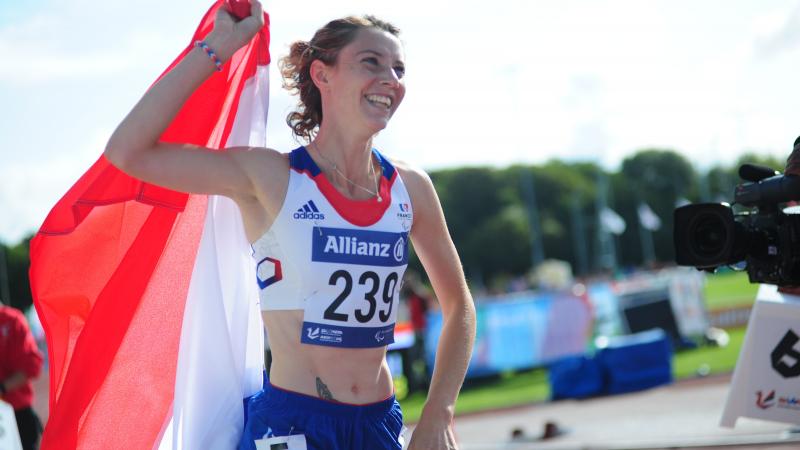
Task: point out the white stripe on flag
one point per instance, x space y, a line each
221 356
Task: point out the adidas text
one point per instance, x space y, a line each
309 215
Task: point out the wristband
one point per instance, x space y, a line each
211 54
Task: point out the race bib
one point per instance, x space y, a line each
357 308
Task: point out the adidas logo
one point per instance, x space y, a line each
309 211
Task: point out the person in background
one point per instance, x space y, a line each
792 169
20 362
414 363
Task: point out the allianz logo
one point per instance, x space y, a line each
351 245
309 211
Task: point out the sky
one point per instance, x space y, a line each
490 83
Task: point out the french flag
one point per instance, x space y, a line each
148 296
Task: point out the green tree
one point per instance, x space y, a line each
17 262
471 197
657 177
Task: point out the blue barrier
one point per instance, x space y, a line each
637 361
575 377
626 364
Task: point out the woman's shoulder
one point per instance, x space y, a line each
417 182
406 169
408 172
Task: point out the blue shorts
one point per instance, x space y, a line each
326 425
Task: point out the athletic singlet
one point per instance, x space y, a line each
339 260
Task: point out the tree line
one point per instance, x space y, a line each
503 220
489 210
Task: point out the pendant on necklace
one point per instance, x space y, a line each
380 199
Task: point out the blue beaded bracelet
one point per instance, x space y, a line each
211 54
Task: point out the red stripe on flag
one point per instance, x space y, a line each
100 339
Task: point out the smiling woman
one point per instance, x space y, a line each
329 225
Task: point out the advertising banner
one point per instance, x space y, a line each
521 331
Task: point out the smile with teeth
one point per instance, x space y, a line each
380 99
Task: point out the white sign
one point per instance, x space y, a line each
9 436
766 382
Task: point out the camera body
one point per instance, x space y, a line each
765 237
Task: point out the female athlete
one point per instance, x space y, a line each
335 217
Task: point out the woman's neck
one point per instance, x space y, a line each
352 155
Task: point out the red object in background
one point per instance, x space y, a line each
239 8
19 354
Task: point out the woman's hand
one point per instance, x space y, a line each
428 435
229 35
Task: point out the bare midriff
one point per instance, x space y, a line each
348 375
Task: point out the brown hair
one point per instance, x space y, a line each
324 46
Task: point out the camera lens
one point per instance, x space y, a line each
710 236
704 235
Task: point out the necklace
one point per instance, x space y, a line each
376 193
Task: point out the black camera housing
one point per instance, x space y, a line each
765 237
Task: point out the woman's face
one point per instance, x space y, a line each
366 84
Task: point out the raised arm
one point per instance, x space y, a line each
135 148
437 253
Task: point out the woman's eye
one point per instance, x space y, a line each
400 71
371 61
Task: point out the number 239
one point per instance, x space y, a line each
366 277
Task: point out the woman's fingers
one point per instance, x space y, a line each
256 10
256 15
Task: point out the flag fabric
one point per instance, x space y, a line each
611 221
148 296
647 218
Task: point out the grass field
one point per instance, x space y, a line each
729 289
724 290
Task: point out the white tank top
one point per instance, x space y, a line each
339 260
